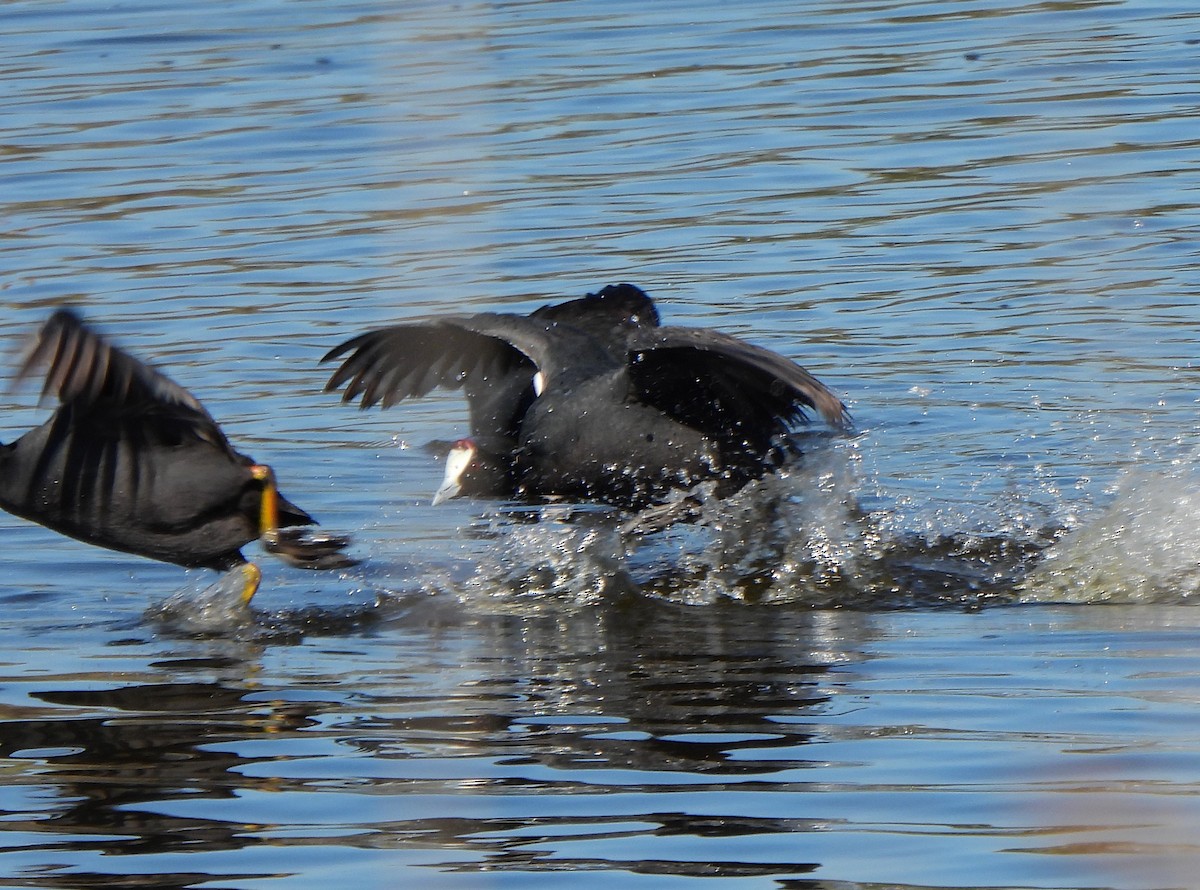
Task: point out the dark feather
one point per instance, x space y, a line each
712 377
130 460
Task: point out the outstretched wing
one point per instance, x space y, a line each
90 376
408 361
725 387
130 460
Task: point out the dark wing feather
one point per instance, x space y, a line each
89 375
408 361
114 438
726 387
130 460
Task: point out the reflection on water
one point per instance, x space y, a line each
973 220
647 738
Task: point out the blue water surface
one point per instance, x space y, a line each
961 650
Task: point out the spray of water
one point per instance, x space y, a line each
808 537
1145 547
800 537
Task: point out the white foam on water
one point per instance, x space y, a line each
551 556
1145 547
217 608
803 536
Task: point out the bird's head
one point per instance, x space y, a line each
476 468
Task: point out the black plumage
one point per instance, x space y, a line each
593 397
133 462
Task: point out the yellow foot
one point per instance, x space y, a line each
251 577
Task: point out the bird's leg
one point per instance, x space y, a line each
268 512
251 576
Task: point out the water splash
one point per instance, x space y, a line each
802 536
552 555
805 537
218 608
1145 547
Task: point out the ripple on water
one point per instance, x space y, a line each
975 219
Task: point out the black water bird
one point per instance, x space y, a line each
592 398
133 462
